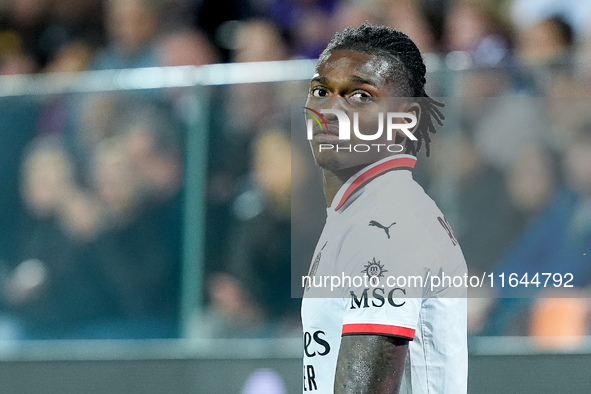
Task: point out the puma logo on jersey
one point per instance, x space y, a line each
379 225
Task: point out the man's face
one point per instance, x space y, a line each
351 82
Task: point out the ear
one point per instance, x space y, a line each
414 108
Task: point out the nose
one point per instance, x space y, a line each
335 103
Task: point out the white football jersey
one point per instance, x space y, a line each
382 225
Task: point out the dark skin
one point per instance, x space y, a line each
354 82
370 364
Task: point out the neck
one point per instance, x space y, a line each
333 180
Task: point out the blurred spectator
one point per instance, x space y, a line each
349 13
305 22
97 119
72 57
484 221
558 240
525 13
18 64
48 177
258 41
70 22
566 111
133 26
479 44
255 106
546 48
87 121
245 109
186 48
153 145
48 288
259 245
532 181
24 22
238 113
547 41
37 30
58 114
134 262
116 183
82 215
413 18
495 127
232 312
477 28
118 241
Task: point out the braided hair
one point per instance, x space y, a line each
406 70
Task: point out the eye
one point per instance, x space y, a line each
318 92
361 97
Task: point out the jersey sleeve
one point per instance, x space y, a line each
394 257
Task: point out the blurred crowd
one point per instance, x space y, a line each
91 200
75 35
91 219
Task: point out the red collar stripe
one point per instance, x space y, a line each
401 162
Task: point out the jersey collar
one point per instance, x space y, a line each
370 172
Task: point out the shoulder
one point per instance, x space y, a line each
403 200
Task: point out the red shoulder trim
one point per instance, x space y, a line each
383 329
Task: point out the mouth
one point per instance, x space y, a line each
328 136
332 130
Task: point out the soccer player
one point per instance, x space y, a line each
402 336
